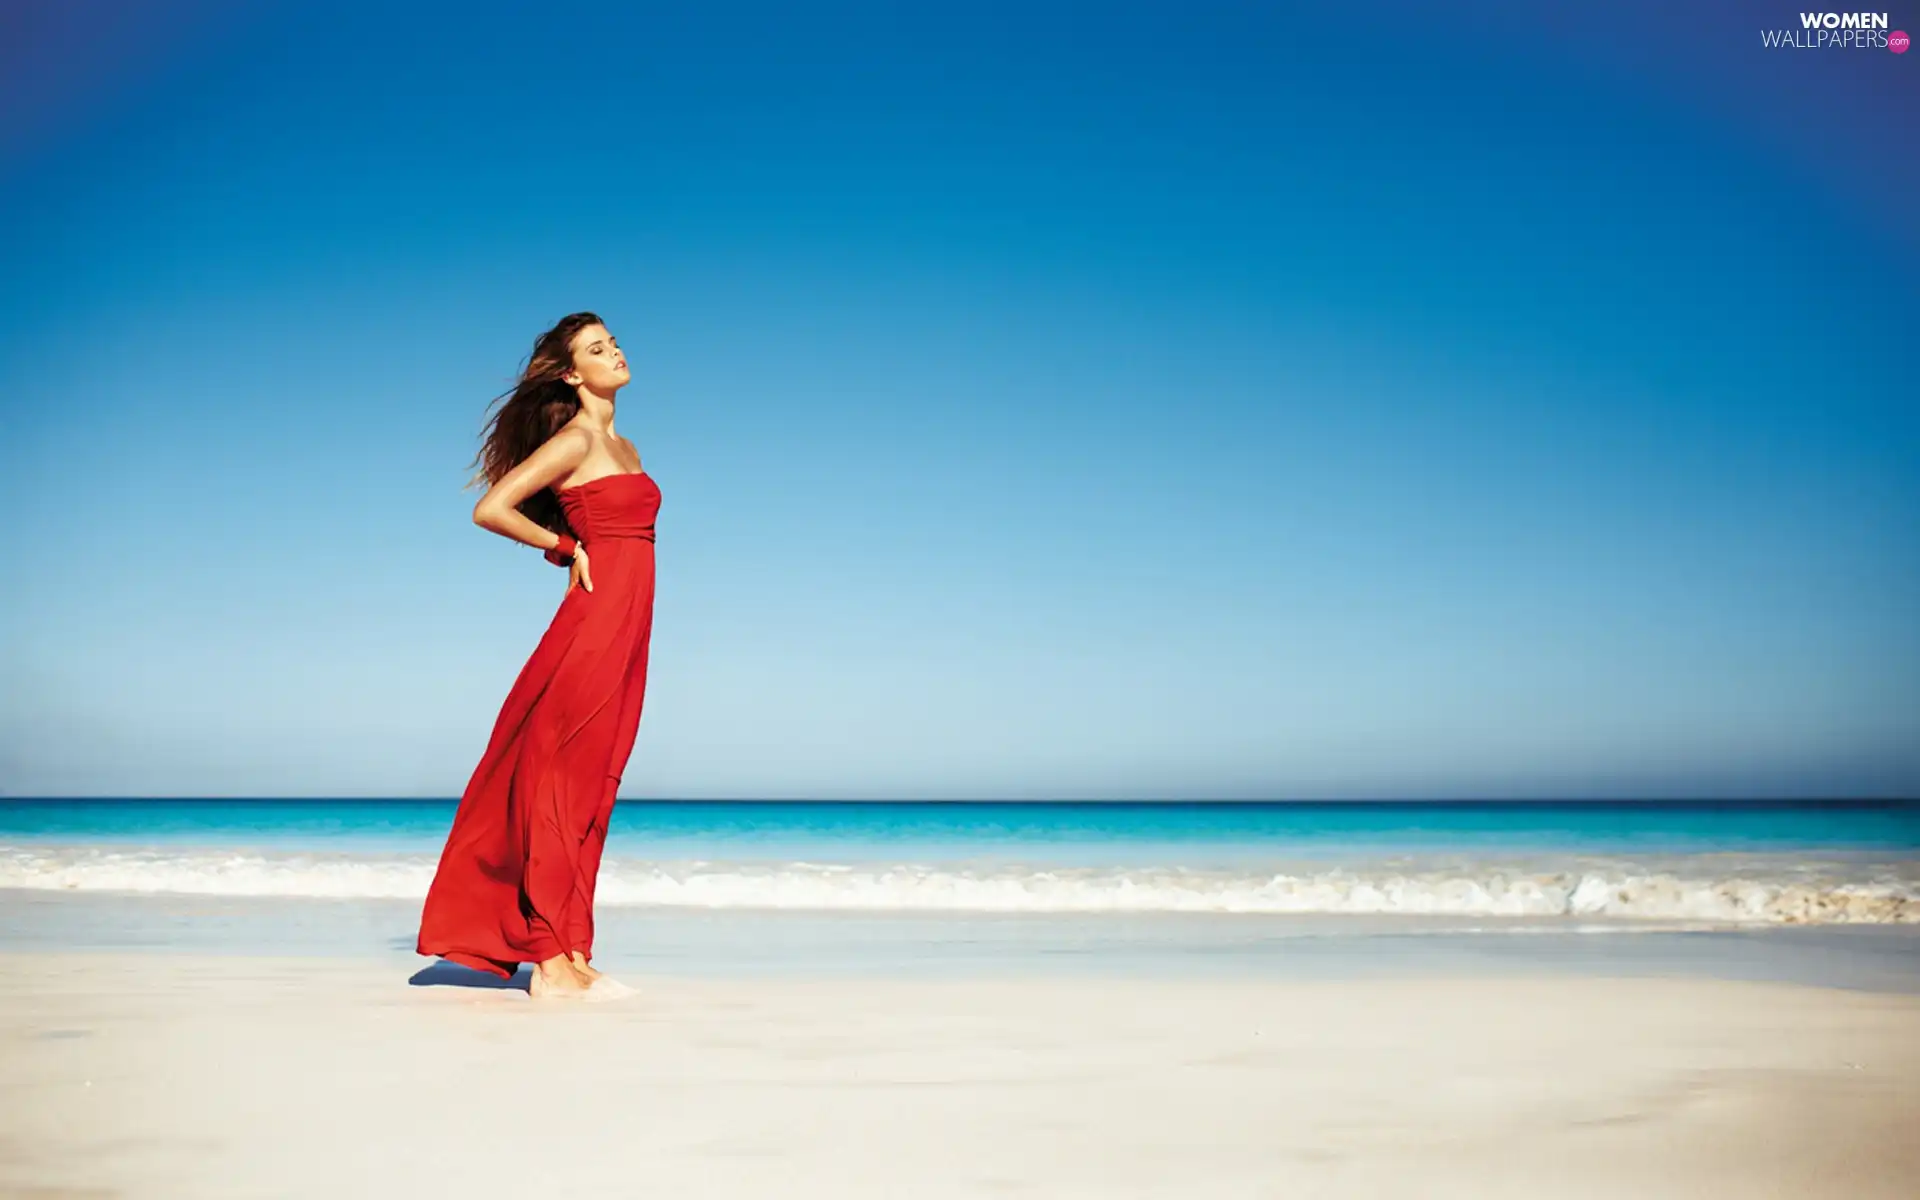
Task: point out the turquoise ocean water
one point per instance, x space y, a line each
1759 863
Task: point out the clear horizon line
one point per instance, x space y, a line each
1883 801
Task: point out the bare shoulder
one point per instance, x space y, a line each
569 446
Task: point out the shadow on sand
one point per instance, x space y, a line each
446 974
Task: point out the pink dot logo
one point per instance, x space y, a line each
1897 41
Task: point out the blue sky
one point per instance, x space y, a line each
1048 401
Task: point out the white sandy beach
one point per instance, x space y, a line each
138 1074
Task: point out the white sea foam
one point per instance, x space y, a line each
1699 888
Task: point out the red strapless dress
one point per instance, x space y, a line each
515 882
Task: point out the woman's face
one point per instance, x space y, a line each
598 361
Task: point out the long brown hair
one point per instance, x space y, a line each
530 413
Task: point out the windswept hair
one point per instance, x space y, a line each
529 414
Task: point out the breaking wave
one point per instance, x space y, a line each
1689 888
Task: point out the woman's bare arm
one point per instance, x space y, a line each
499 509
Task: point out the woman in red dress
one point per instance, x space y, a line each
515 882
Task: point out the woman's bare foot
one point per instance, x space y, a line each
599 986
556 978
580 965
608 988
